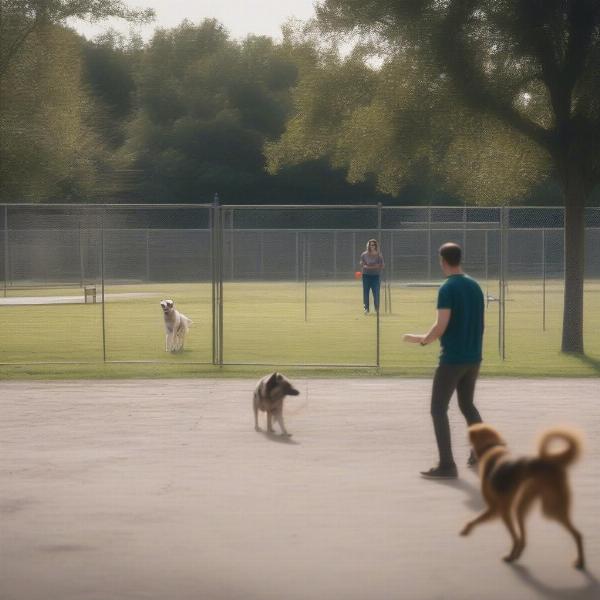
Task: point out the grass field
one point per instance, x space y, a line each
264 323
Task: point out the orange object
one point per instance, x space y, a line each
357 275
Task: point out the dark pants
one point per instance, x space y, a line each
448 378
370 282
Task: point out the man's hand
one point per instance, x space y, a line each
412 338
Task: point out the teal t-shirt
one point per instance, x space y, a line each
461 342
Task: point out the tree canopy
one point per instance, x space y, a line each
529 68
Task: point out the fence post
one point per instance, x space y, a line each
217 281
231 244
147 253
503 264
5 247
297 256
429 243
305 269
102 221
381 277
335 254
544 279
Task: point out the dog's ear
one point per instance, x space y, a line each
272 381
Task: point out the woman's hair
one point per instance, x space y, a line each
373 242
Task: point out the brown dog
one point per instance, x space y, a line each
509 485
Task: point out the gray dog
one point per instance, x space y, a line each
268 397
176 326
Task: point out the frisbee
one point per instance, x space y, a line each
357 275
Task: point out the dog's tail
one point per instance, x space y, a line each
565 457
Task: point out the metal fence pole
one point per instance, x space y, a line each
214 279
217 281
297 256
335 254
220 283
392 255
464 244
231 243
5 247
102 220
81 273
305 269
543 279
211 225
429 243
487 295
377 339
147 253
502 278
262 254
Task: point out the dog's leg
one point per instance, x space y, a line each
179 338
255 407
580 560
279 419
486 515
506 517
523 506
166 342
269 422
556 506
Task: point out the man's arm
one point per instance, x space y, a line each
436 331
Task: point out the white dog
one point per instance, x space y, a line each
176 326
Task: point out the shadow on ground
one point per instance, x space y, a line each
591 589
474 500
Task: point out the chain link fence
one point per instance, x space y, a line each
267 284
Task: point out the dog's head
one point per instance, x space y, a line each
167 306
483 437
282 383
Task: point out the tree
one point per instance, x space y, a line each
47 147
531 67
22 18
206 106
109 62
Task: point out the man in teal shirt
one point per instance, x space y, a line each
459 325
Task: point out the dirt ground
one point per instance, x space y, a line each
162 490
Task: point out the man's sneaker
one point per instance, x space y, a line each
366 311
441 472
472 460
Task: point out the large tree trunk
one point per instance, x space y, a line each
572 334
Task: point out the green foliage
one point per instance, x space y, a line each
108 74
531 68
404 124
47 148
22 18
206 106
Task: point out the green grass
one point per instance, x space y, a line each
265 323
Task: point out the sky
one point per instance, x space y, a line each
240 17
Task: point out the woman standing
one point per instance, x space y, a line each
372 264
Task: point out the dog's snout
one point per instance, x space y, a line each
166 305
293 392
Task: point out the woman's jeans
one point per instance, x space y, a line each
370 282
